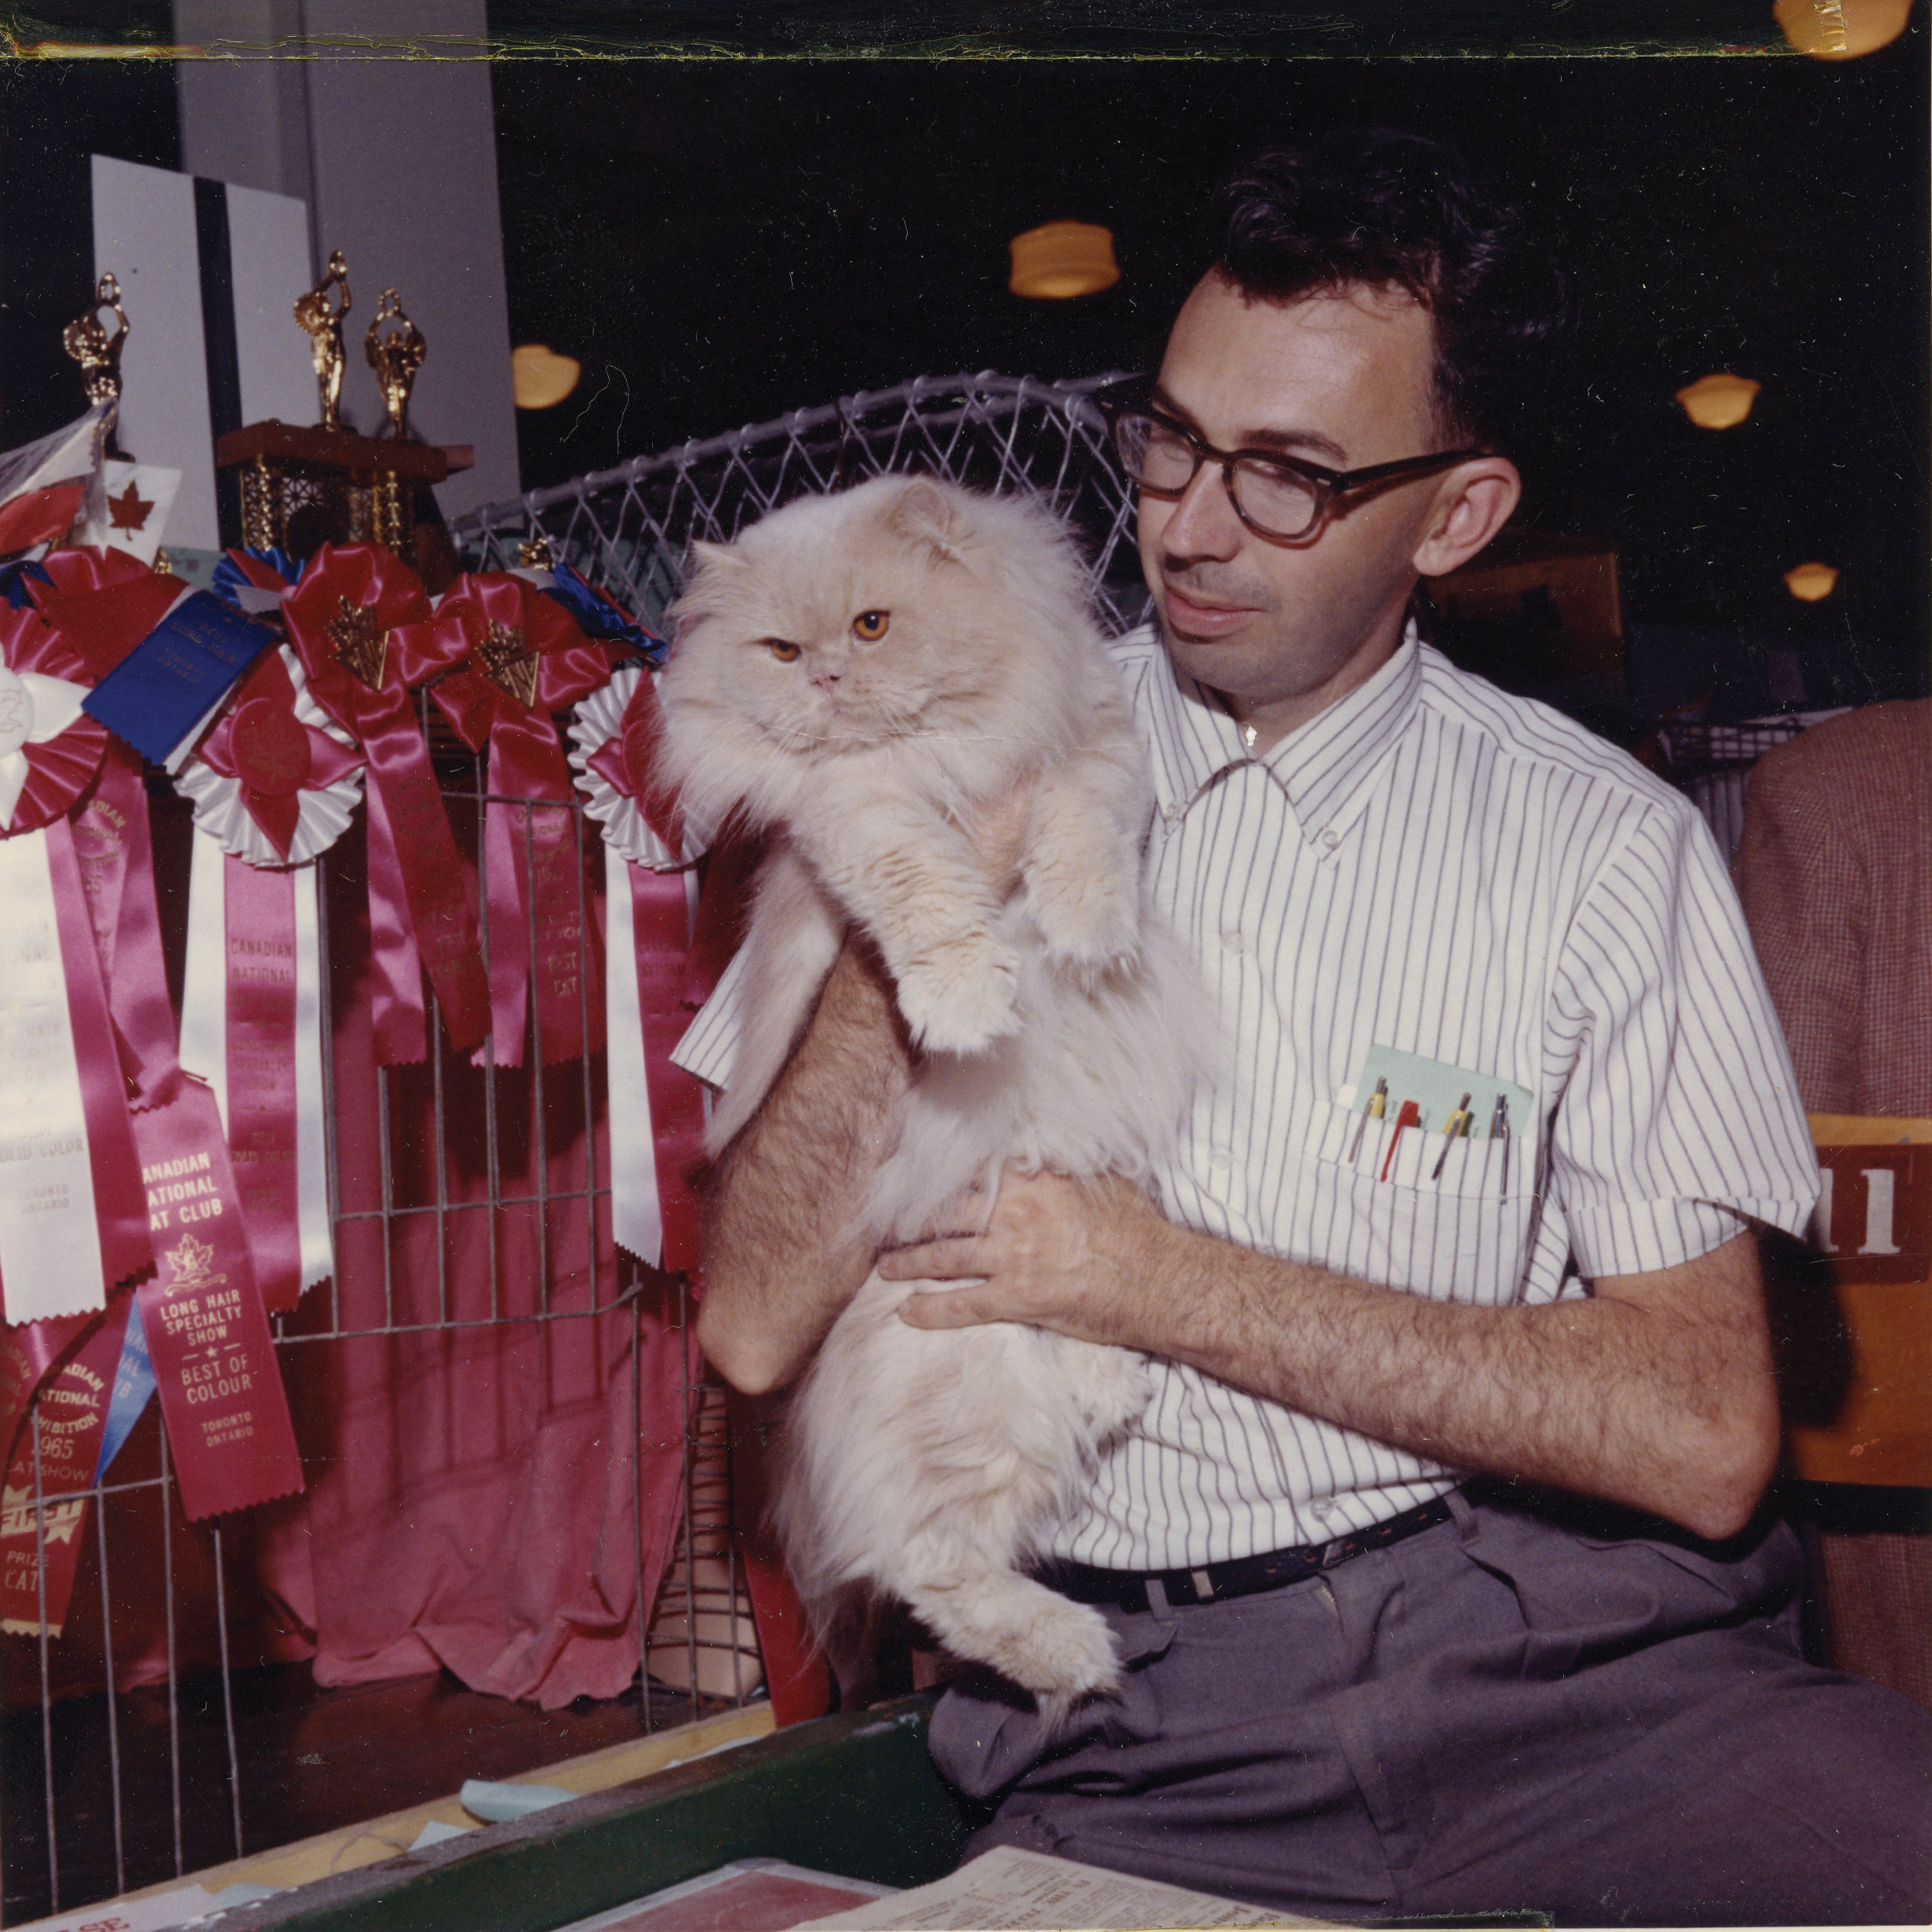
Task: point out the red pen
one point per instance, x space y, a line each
1410 1116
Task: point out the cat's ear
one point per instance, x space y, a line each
925 514
714 556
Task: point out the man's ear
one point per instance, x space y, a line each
926 514
1471 504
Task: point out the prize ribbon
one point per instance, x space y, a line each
523 658
651 907
361 624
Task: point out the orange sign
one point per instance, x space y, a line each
1874 1229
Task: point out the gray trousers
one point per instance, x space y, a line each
1511 1709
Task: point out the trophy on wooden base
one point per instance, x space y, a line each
303 485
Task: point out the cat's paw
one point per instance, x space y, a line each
1089 918
957 996
1121 1388
1067 1653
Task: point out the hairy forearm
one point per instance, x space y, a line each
781 1257
1655 1392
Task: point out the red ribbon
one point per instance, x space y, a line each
60 770
261 953
260 743
113 847
103 603
40 517
221 1388
74 1398
523 658
361 622
120 1207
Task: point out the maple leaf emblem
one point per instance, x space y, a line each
509 664
129 510
361 641
189 1263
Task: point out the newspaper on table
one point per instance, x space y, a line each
1010 1890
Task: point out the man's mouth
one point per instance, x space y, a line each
1194 618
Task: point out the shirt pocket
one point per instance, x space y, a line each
1451 1220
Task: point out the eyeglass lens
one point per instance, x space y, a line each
1160 458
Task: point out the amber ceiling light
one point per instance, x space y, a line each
1811 582
1841 30
542 378
1720 401
1062 260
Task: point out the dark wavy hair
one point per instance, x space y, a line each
1377 206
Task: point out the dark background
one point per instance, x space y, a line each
718 242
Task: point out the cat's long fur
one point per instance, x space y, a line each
1061 1026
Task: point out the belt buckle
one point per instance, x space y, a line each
1336 1552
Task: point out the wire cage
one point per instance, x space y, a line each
115 1787
1712 763
627 528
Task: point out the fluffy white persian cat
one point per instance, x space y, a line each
865 674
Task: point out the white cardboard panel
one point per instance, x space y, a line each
268 252
144 233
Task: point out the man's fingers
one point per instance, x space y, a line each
960 1308
934 1260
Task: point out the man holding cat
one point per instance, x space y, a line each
1437 1559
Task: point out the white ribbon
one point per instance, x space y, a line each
33 708
50 1260
636 1208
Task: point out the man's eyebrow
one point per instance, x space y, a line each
1289 441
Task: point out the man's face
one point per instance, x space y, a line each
1343 379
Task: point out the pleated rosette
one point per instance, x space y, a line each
362 625
524 659
274 784
73 1213
651 909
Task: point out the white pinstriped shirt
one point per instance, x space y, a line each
1433 866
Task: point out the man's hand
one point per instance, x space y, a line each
1076 1256
1654 1391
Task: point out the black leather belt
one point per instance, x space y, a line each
1216 1582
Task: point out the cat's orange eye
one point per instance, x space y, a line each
870 626
785 653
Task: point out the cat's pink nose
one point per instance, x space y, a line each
825 680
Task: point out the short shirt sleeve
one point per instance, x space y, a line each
1681 1116
709 1045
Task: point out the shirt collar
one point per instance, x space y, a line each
1319 765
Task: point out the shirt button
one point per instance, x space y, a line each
1231 939
1331 839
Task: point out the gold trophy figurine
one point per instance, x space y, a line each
324 325
99 353
395 359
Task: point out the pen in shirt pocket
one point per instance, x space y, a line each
1457 1128
1498 1130
1377 1106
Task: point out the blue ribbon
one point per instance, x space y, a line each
157 694
133 1382
598 614
228 576
13 581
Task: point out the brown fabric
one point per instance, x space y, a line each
1876 1593
1835 870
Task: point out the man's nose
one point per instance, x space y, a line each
1203 524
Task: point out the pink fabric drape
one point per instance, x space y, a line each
469 1499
